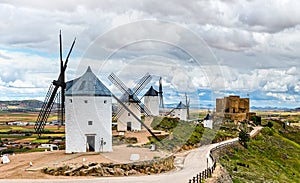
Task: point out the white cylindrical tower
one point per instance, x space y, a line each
88 115
151 101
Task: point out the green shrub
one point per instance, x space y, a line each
244 137
256 120
270 124
167 124
7 151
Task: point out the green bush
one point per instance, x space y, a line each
256 120
270 124
244 137
166 124
7 151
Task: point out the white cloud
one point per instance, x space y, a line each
255 42
297 87
22 84
273 80
282 96
261 15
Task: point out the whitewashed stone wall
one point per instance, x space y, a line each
180 113
208 124
152 103
127 117
80 110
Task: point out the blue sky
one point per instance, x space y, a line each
208 49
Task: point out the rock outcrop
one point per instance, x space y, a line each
109 169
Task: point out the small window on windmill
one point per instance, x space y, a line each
85 101
105 101
128 114
90 122
70 100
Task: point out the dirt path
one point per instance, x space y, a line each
20 162
19 167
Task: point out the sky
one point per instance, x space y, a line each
207 49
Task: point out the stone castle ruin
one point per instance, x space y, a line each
234 108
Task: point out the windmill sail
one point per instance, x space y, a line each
160 92
52 93
130 96
132 113
45 110
187 103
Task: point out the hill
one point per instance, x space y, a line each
20 105
273 156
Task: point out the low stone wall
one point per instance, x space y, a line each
109 169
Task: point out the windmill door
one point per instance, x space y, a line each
129 126
90 143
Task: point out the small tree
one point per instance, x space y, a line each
256 120
244 138
269 124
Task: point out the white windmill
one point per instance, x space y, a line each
88 115
180 111
127 121
151 101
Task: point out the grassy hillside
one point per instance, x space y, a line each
188 135
273 156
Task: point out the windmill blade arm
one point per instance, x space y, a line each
119 84
60 46
170 111
52 97
147 111
119 112
60 80
46 109
142 83
132 113
67 59
124 97
144 109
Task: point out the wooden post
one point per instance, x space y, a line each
206 163
194 180
200 177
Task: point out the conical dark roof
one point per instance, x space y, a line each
181 106
87 85
151 92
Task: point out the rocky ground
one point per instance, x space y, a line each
19 167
